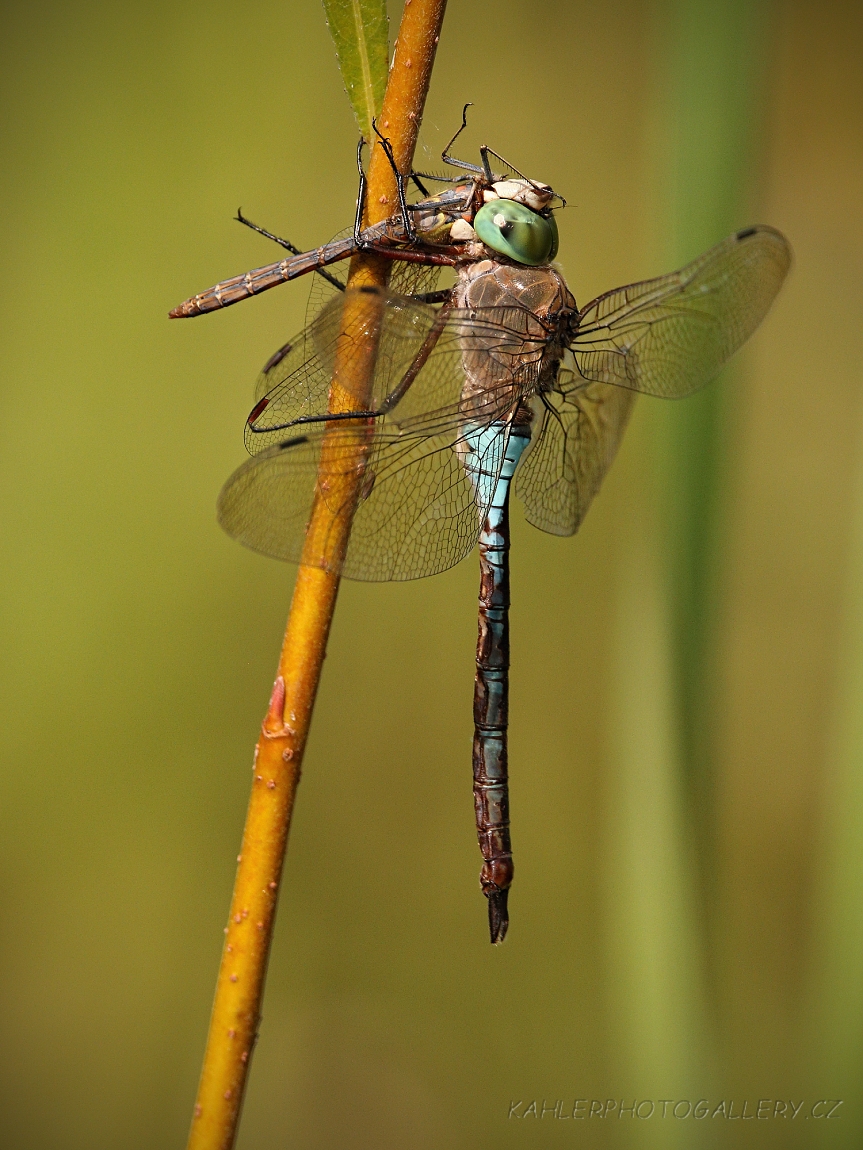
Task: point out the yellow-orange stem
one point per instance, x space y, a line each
279 752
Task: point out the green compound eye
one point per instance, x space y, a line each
517 232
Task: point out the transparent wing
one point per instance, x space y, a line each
298 386
295 367
295 383
670 336
405 279
576 438
418 513
500 349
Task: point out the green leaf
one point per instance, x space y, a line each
360 31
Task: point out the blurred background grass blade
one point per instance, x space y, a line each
709 62
360 32
711 74
709 87
653 950
836 1001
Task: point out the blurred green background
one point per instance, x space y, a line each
687 688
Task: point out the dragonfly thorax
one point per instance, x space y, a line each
518 322
542 291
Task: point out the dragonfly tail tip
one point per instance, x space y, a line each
498 919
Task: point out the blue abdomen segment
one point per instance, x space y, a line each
491 480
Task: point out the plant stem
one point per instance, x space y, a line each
279 752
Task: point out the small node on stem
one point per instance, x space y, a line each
274 721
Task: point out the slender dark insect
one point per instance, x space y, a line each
502 376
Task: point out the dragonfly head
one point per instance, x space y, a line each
515 219
524 234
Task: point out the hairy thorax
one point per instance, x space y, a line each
513 351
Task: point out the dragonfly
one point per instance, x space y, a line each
499 381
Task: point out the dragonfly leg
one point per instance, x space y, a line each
463 164
435 176
443 257
240 218
407 222
400 182
288 245
433 296
485 151
415 180
361 196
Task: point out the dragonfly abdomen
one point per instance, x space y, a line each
491 689
260 279
387 236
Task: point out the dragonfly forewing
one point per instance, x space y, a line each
486 360
295 392
297 359
671 335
